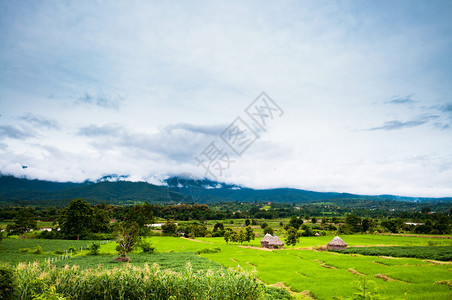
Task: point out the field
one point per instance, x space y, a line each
319 274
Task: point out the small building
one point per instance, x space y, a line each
337 244
265 240
271 242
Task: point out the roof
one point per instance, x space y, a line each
337 241
267 238
274 240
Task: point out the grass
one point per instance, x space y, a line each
422 252
323 274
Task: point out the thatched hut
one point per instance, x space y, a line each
265 240
337 244
271 242
275 243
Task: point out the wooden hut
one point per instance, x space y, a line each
337 244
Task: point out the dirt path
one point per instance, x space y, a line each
193 240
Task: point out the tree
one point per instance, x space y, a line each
247 222
353 222
268 230
241 236
292 237
76 219
314 220
218 226
169 228
249 234
142 215
295 222
25 221
101 220
227 236
127 237
263 225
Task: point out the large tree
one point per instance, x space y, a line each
141 214
24 222
77 219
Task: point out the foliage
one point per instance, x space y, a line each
138 283
142 215
295 222
268 230
249 234
127 237
80 218
25 221
209 250
443 253
94 249
292 237
7 283
169 228
146 246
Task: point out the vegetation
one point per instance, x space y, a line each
422 252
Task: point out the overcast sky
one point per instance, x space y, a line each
358 93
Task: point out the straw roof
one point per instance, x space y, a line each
337 241
274 240
267 238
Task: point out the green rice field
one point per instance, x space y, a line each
307 273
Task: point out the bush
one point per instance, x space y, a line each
37 250
209 250
94 249
24 250
146 247
7 283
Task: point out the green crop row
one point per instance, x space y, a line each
423 252
131 282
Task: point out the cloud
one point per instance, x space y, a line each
402 100
40 121
179 142
446 107
203 129
109 130
396 124
103 100
16 132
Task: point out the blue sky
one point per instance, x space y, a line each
143 88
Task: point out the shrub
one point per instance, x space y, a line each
146 247
37 250
24 250
94 249
7 285
209 250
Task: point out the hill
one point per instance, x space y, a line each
115 190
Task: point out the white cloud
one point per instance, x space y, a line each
141 88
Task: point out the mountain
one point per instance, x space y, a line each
115 190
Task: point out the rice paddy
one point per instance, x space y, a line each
316 274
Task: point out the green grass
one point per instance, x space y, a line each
422 252
324 274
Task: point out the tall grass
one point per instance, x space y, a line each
131 282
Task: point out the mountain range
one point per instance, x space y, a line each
116 189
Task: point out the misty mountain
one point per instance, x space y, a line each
114 189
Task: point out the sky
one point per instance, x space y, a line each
342 96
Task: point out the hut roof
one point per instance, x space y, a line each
266 238
337 241
274 240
